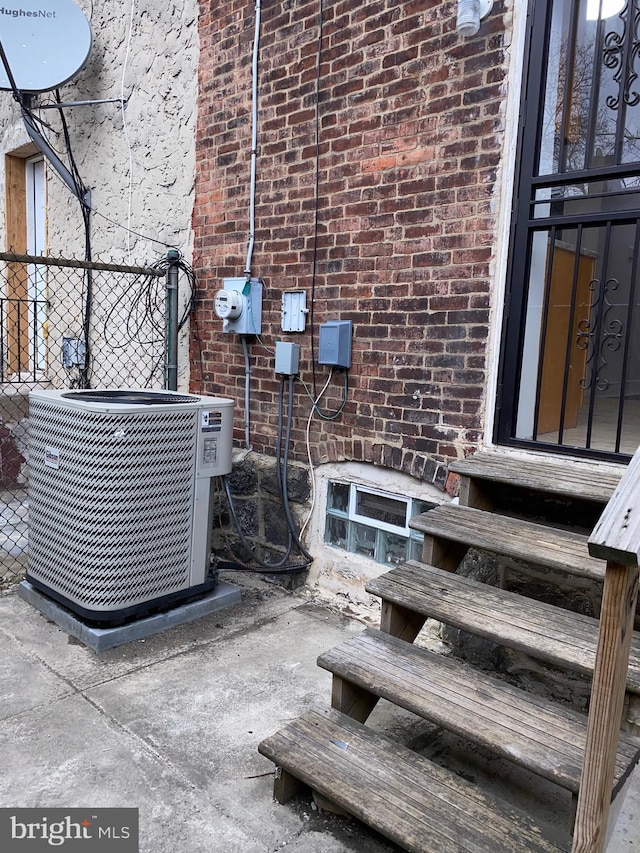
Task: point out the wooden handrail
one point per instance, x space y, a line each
615 538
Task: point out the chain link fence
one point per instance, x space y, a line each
67 324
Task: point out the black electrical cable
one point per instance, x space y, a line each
284 494
316 221
280 566
75 172
316 210
290 539
143 305
228 566
279 455
282 462
17 94
131 231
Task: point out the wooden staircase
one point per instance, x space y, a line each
421 806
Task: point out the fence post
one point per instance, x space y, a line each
171 339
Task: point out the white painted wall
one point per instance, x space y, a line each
514 39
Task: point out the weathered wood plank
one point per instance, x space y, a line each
286 786
605 707
533 732
541 630
560 550
616 536
351 699
402 795
580 478
400 622
443 552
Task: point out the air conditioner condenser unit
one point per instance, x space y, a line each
119 497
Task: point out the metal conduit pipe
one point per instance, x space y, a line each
254 140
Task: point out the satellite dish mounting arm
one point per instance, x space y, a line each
83 195
47 151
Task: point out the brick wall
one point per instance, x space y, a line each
410 134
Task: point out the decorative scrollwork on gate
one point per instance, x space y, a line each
613 57
600 334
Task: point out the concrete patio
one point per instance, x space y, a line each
170 724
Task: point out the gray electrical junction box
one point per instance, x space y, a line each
334 344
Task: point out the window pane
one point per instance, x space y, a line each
336 532
381 508
581 349
415 550
338 497
393 549
587 197
418 507
591 112
364 540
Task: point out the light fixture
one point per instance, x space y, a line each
603 8
471 12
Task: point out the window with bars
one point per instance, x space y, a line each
373 523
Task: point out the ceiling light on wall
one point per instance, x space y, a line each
603 8
471 12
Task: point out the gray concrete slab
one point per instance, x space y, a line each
44 641
99 639
69 755
171 724
25 684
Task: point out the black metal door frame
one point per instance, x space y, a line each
524 225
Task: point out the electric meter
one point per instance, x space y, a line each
228 304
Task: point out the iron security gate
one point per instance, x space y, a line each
571 356
67 324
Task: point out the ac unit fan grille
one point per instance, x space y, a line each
111 525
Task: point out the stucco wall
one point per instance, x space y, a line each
139 163
156 138
159 43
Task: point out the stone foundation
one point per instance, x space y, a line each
259 512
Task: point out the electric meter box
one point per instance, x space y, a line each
239 306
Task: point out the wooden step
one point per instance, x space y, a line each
448 526
413 802
414 591
545 738
565 477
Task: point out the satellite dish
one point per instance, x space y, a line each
46 43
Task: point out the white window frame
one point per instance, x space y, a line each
352 518
35 180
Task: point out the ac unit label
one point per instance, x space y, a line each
52 457
211 421
211 418
210 451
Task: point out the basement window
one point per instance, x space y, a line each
373 524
